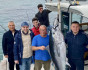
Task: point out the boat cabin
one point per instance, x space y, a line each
70 13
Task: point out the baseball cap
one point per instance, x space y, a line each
24 24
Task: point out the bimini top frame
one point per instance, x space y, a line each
79 9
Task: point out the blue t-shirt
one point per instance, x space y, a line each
41 41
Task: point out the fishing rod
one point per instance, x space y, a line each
3 28
27 15
28 18
59 14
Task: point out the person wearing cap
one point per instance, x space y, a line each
42 15
7 45
22 47
76 41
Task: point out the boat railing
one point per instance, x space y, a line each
50 1
3 30
4 64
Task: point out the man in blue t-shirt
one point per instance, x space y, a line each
39 44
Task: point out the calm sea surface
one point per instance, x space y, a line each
18 11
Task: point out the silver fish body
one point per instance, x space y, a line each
57 48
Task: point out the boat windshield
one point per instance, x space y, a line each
76 17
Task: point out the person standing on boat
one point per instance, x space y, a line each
77 42
8 44
22 47
42 16
36 26
39 44
35 30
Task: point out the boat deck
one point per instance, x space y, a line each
52 67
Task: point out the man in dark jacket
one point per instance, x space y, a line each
8 43
77 42
22 47
42 15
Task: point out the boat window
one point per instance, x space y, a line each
84 24
64 22
85 20
76 17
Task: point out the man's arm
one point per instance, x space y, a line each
4 46
36 15
48 11
16 43
34 45
34 48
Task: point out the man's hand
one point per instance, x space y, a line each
42 48
16 62
6 56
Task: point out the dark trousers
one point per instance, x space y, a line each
76 64
11 66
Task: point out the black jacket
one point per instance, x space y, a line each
76 44
43 17
8 44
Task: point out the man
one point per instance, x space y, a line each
42 15
35 30
8 43
36 25
77 42
39 44
22 47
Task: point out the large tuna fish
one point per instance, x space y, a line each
57 47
